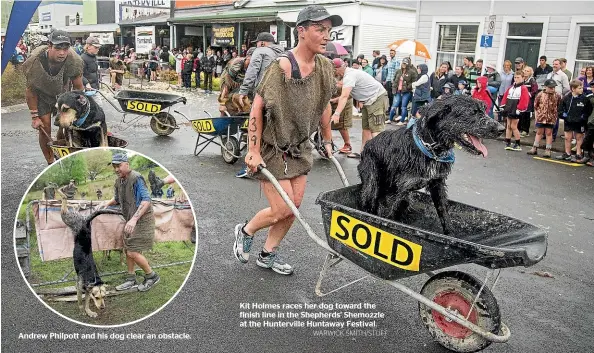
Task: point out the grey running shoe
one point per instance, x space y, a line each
274 263
516 147
243 244
126 285
148 283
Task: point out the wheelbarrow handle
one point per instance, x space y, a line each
294 209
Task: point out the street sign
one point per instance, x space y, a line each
491 25
486 41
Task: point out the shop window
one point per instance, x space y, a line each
456 42
585 49
525 30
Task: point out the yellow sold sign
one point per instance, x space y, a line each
375 242
203 125
61 151
143 107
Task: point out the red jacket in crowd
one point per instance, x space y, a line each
483 93
516 98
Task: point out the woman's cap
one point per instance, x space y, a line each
317 13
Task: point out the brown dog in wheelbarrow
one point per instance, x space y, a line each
82 120
88 279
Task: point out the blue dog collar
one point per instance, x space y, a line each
426 148
82 119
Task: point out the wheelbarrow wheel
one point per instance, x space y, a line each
158 121
456 290
232 145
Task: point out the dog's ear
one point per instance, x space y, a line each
431 112
82 100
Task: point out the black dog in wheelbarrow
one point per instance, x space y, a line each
397 162
82 120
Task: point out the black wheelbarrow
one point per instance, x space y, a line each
458 310
145 103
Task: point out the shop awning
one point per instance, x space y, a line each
220 15
104 27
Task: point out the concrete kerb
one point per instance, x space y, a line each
14 108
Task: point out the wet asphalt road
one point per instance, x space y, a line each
555 314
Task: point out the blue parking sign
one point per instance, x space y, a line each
486 41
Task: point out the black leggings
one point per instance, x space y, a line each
208 81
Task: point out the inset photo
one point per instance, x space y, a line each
105 237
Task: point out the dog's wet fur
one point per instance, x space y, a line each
73 105
88 279
392 165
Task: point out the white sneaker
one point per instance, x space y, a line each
400 123
388 121
398 118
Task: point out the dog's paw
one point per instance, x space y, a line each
91 313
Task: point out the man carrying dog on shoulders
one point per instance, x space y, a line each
131 193
49 71
371 96
69 190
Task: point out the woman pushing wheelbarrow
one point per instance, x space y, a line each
290 103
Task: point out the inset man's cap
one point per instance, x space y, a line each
59 37
550 83
519 60
119 158
264 37
317 13
406 61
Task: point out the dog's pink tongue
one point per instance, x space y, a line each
479 145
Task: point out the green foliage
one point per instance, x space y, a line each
14 85
139 162
73 167
97 162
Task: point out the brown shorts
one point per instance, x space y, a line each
374 115
346 116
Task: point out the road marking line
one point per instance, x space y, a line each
560 162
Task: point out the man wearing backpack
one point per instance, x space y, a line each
266 52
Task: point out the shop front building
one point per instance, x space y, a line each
366 27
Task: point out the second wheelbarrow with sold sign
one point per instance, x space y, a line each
459 310
228 132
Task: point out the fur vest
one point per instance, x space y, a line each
294 107
42 82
